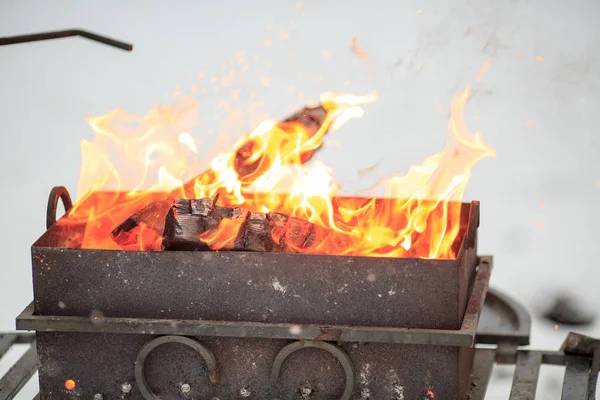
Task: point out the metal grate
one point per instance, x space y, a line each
579 383
18 375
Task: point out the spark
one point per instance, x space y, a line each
540 58
356 49
484 68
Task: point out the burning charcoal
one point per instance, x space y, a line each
567 310
153 215
258 233
188 220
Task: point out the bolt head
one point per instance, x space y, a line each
98 396
126 387
186 388
245 392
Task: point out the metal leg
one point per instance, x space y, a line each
526 376
483 362
577 376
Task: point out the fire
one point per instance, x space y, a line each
135 161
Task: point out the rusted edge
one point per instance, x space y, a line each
477 297
471 236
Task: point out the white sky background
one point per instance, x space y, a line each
422 53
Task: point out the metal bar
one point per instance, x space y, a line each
35 37
25 338
594 375
526 375
28 321
6 340
18 375
481 371
577 376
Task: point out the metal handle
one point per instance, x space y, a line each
56 193
335 351
202 350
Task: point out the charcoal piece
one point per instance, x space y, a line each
188 220
257 235
297 235
566 310
153 215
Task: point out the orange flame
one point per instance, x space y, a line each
419 215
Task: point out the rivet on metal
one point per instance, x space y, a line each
126 387
186 388
365 393
245 392
98 396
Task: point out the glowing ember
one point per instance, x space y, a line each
266 172
69 384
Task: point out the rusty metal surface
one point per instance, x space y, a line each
464 337
359 359
244 365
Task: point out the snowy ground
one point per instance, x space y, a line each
534 104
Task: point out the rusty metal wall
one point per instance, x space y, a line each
105 363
